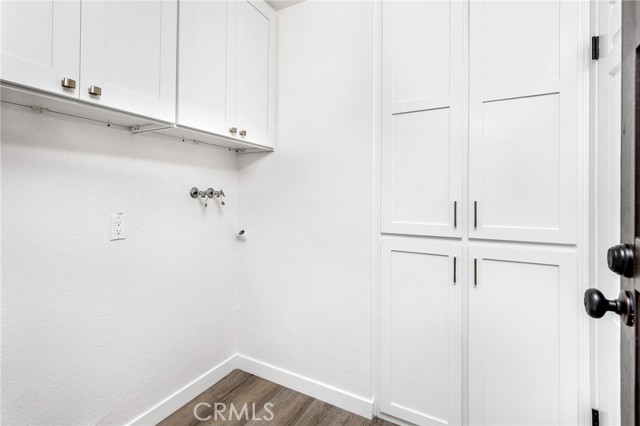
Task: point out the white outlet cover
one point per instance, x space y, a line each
117 227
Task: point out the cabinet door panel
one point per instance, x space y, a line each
522 336
207 65
41 43
422 117
129 51
521 164
421 331
421 46
523 147
420 164
255 84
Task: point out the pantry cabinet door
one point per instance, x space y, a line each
421 343
41 44
129 52
256 72
523 331
524 109
206 85
422 117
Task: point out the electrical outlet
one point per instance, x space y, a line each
117 227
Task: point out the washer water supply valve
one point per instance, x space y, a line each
206 195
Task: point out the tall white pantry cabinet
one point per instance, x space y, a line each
480 212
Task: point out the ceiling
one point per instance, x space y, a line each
281 4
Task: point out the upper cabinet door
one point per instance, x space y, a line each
129 55
41 44
206 77
256 72
422 117
523 127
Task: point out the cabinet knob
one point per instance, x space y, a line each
69 83
233 130
95 90
243 133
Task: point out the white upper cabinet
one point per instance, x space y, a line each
256 72
41 44
523 336
523 147
206 95
129 56
227 69
421 322
422 117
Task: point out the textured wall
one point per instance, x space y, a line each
305 273
94 331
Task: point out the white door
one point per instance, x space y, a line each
256 72
206 86
523 120
523 351
422 117
41 44
606 331
129 53
422 331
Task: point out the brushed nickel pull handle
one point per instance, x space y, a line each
95 90
243 133
69 83
455 214
475 272
455 269
233 130
475 214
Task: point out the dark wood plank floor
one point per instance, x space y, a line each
290 408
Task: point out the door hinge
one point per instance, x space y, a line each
595 417
595 48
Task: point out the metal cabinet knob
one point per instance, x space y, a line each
233 130
243 133
69 83
95 90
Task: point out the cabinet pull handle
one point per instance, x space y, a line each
95 90
475 272
455 214
69 83
475 214
233 130
243 133
455 268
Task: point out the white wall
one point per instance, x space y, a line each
94 331
97 332
305 269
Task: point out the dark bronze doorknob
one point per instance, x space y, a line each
597 305
620 259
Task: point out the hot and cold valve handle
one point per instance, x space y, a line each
620 260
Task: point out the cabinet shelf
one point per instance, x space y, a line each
72 107
188 134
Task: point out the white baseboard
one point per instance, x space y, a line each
168 406
313 388
307 386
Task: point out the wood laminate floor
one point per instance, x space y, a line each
289 408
